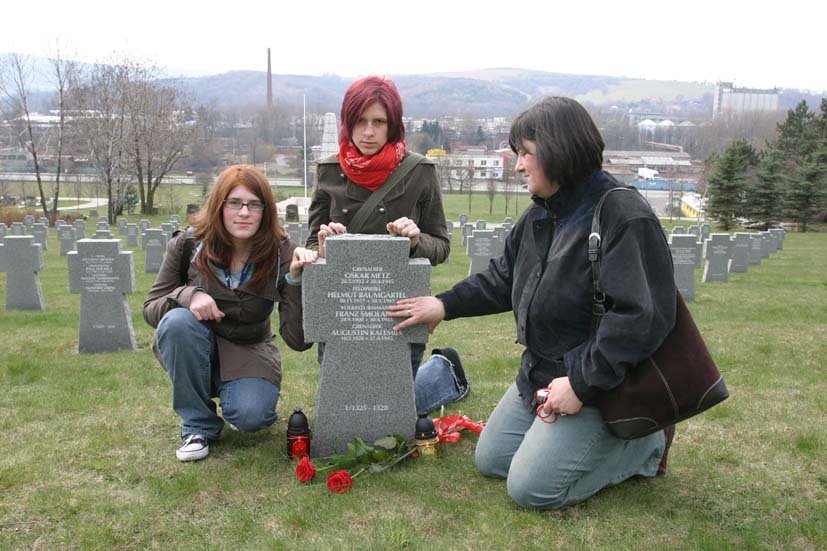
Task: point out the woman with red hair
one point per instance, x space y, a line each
211 304
373 158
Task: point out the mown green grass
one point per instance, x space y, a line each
88 461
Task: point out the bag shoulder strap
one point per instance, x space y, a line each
407 164
186 256
598 296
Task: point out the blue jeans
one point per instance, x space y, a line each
188 350
434 381
549 466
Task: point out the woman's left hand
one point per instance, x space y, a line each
405 227
561 398
301 257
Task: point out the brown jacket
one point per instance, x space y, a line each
244 337
417 196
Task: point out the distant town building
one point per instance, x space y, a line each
473 161
676 166
730 100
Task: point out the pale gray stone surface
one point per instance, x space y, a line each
103 234
480 225
102 225
678 230
766 244
466 231
103 274
45 221
684 253
154 242
21 258
28 221
483 245
40 232
132 235
366 385
122 222
297 232
463 219
18 228
145 225
756 243
66 238
706 231
741 243
779 234
93 213
80 229
3 231
718 255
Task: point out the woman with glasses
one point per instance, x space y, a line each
211 304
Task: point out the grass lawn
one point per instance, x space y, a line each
88 460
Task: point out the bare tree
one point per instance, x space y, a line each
104 126
159 134
16 77
64 73
491 190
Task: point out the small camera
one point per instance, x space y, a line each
539 398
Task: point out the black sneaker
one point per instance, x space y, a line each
452 356
193 448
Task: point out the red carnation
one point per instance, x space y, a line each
305 471
339 482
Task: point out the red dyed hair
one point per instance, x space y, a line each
362 94
217 244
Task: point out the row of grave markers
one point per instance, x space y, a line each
97 274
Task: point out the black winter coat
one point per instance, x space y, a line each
544 276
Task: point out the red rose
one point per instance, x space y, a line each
339 482
305 471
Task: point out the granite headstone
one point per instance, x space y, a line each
684 252
21 258
366 386
103 274
40 232
131 235
718 255
741 244
154 242
482 247
66 237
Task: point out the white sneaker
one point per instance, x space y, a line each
194 447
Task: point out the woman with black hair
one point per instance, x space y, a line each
557 451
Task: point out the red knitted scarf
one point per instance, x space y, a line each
373 171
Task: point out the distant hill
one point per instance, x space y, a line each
489 92
483 93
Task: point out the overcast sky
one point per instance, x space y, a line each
754 44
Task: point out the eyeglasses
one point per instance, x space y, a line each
236 204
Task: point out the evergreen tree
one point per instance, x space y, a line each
727 185
764 191
797 135
807 192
